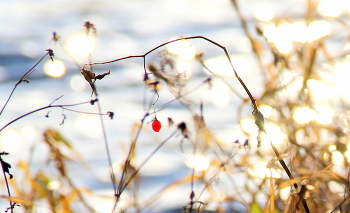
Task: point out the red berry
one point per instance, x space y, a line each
156 125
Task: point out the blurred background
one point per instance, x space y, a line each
282 44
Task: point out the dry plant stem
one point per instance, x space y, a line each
249 36
6 182
177 98
47 107
111 172
219 77
256 111
30 71
147 159
286 169
69 55
127 161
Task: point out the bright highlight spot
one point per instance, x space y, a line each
337 157
28 132
221 96
330 8
341 78
248 125
81 45
54 185
266 110
275 133
10 141
260 170
182 48
198 162
105 206
304 115
221 66
332 148
264 12
318 29
324 114
285 34
78 83
55 69
86 124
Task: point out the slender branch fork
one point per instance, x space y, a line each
259 118
47 107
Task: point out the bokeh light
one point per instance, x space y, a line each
182 48
285 34
341 78
330 8
248 125
275 133
337 157
221 66
324 114
28 132
266 110
78 83
260 170
80 45
198 162
86 124
55 69
10 141
221 96
264 12
54 185
303 115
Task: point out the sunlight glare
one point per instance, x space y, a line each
198 162
264 12
54 185
275 133
248 125
330 8
86 124
341 78
81 45
304 115
318 29
105 206
337 157
182 48
221 96
266 110
221 66
78 83
324 114
10 141
55 69
260 170
28 132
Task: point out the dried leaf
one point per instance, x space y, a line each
89 77
110 114
100 76
6 168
